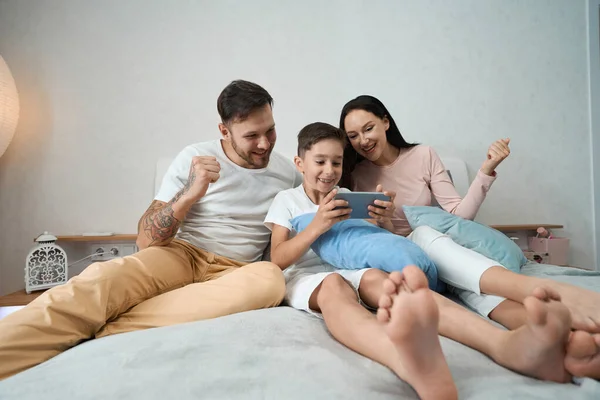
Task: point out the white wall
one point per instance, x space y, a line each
108 87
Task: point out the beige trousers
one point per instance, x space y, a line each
155 287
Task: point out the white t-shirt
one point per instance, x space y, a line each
228 220
287 205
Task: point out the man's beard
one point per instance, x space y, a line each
248 156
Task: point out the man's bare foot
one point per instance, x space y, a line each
410 315
537 349
583 304
583 355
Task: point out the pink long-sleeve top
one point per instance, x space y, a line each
416 176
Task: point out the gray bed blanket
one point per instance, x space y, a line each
278 353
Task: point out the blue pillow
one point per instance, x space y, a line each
470 234
358 244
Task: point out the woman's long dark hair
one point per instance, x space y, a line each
393 135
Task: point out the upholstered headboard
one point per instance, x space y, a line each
455 167
161 169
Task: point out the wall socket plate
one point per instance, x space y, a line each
108 251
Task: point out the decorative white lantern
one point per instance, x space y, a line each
9 106
46 264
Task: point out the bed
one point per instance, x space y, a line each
277 353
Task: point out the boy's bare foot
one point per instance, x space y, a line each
583 304
537 349
583 355
410 315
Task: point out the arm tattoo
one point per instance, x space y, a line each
159 223
190 182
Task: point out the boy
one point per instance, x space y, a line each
405 337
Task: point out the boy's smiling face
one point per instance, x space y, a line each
321 165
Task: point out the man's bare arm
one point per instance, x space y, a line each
160 222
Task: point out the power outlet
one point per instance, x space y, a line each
108 251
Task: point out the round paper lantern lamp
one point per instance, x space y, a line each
9 106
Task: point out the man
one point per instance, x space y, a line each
201 242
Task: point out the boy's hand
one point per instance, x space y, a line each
326 216
384 212
204 170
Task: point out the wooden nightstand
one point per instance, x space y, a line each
521 234
14 301
118 237
524 227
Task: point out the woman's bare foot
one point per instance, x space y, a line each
410 315
537 349
583 355
583 304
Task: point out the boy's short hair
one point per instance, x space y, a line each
317 131
239 99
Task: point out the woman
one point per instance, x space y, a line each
377 155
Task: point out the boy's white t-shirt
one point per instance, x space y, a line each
287 205
228 220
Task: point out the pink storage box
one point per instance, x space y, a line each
557 249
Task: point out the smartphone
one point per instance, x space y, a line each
360 201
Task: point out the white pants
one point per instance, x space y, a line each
459 267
